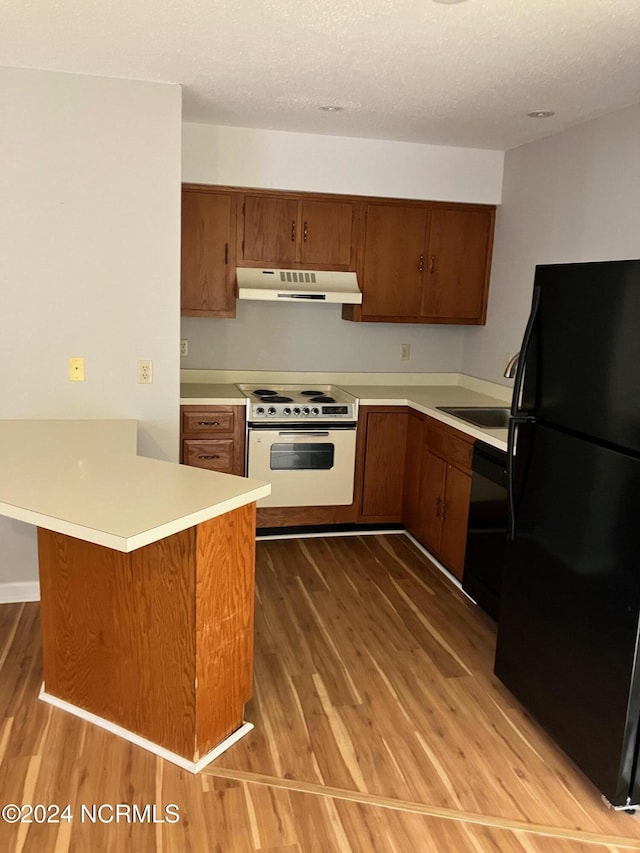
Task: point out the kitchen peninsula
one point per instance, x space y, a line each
146 580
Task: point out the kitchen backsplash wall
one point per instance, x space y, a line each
302 337
265 336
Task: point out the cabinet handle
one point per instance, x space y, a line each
226 253
208 423
443 511
208 457
438 507
293 231
305 232
432 263
421 263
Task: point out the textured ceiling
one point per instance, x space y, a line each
463 74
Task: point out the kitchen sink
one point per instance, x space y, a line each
486 417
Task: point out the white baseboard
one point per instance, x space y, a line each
137 740
12 592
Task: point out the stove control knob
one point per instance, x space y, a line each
315 411
286 410
305 411
271 410
296 410
259 410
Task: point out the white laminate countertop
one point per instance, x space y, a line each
425 399
422 398
209 394
84 479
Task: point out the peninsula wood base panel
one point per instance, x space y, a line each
158 641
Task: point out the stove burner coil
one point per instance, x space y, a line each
323 398
276 398
264 392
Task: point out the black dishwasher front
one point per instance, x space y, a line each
487 528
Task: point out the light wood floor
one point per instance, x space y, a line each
379 727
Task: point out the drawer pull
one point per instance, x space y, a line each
432 264
421 263
209 457
293 231
208 423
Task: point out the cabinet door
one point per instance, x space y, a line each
385 444
411 504
207 284
432 483
270 230
326 233
456 514
457 264
394 259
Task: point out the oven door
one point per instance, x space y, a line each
306 467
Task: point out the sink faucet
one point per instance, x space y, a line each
510 369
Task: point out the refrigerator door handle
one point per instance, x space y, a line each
511 509
512 436
524 350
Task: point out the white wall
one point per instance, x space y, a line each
89 259
571 197
239 156
302 337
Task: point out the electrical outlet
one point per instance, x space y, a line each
145 372
76 368
405 352
184 348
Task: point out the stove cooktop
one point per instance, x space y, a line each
299 403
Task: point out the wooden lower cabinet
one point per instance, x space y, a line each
213 437
437 488
455 514
411 507
382 441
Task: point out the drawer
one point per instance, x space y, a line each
449 444
222 421
436 438
460 452
215 455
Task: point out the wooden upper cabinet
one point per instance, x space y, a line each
207 281
457 264
425 262
394 258
285 230
326 233
417 262
270 230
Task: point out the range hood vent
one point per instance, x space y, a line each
298 285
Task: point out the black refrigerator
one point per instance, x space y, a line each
569 621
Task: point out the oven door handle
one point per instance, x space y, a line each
305 432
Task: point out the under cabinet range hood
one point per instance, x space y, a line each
298 285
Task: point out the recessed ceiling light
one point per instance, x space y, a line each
541 113
331 108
